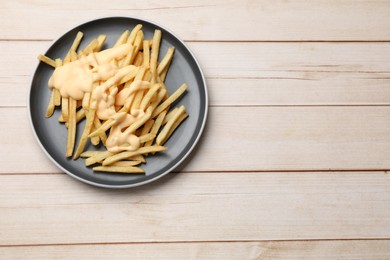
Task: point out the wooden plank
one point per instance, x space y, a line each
211 20
338 250
56 209
332 89
259 139
252 73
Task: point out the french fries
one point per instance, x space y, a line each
110 159
71 128
143 120
165 61
87 129
170 100
118 169
164 134
156 126
47 60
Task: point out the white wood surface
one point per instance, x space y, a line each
338 250
216 20
250 139
54 209
251 73
304 85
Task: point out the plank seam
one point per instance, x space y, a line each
197 241
224 41
363 171
254 105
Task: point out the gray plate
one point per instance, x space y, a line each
52 135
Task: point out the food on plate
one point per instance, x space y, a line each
121 95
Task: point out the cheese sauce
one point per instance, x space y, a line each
104 102
126 92
76 78
120 141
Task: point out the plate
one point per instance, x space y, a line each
52 135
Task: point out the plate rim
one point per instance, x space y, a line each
178 163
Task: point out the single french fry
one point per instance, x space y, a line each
118 169
161 78
65 108
86 100
169 115
87 129
91 153
146 52
170 100
97 158
77 41
146 138
164 134
133 34
148 97
122 39
123 155
137 157
137 45
166 61
176 124
47 60
79 116
101 39
71 128
138 42
126 163
154 54
74 46
156 126
50 106
57 95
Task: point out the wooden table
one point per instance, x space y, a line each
304 85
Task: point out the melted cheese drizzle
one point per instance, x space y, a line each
76 78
